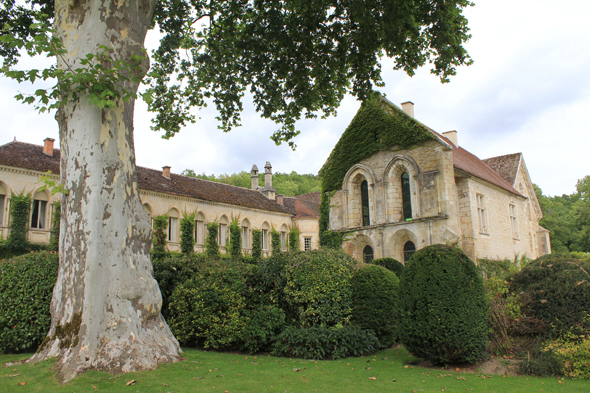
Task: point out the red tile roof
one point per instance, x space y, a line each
506 165
305 205
29 156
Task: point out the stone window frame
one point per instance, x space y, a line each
4 203
222 230
200 228
284 237
480 202
40 208
264 234
307 243
173 216
351 185
245 226
392 177
513 214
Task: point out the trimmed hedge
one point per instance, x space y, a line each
390 264
26 288
442 306
374 302
319 342
556 290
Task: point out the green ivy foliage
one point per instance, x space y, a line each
211 309
556 290
55 225
265 323
443 309
319 342
275 239
328 238
20 208
187 233
390 264
256 244
294 239
235 238
318 286
26 288
159 249
374 302
211 245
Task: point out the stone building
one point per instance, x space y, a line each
397 196
164 192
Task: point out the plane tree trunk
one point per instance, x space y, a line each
105 312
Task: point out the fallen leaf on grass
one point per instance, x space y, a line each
373 378
24 383
13 375
132 382
198 377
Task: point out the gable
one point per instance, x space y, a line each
378 125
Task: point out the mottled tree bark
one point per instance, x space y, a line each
105 312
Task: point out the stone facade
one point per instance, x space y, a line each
445 182
163 192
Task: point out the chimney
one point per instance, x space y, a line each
452 136
166 172
267 175
254 177
408 107
48 146
280 199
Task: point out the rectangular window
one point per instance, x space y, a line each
284 241
265 239
513 221
172 229
199 232
481 214
222 234
307 243
244 237
38 216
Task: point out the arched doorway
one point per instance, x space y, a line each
368 254
409 249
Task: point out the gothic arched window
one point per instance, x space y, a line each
409 249
365 203
368 254
406 197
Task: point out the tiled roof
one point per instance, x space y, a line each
29 156
305 205
313 197
506 166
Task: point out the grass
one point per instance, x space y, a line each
204 371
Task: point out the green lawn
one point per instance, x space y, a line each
202 371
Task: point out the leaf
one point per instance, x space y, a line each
373 378
132 382
22 383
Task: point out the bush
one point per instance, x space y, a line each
159 248
211 308
324 343
572 352
503 316
317 286
266 322
443 309
26 288
556 290
540 362
256 244
211 245
172 271
294 239
374 302
187 233
271 282
390 264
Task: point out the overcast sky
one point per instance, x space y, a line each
528 91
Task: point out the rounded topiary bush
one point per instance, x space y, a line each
374 302
211 309
556 290
442 306
26 288
390 264
317 287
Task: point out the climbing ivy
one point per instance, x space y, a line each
294 239
235 238
160 224
378 125
256 244
211 245
20 208
55 223
187 233
275 238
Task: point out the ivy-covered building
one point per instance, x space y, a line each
165 193
393 185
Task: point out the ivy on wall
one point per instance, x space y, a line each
160 239
256 244
187 233
275 238
211 245
294 238
235 238
55 225
20 208
378 125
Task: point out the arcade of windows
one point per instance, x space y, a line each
406 200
